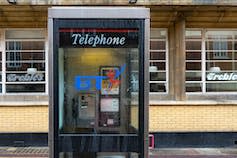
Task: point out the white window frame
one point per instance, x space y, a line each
203 63
166 82
3 41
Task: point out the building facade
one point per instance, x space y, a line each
193 70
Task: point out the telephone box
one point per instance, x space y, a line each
98 70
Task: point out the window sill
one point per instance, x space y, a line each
24 100
23 103
195 102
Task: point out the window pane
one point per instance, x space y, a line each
193 65
193 45
158 34
221 87
157 76
222 65
219 45
192 34
23 66
25 45
19 88
159 65
194 76
157 55
157 45
221 55
26 34
193 56
193 87
157 87
218 34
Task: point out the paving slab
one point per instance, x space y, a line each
42 152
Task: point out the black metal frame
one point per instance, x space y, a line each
90 142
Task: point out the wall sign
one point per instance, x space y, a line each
104 38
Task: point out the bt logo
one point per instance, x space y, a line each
84 82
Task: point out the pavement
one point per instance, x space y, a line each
42 152
193 153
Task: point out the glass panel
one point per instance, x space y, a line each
158 65
193 87
21 88
26 55
221 55
23 66
222 66
193 45
26 34
157 55
193 65
194 76
157 87
220 34
99 86
25 45
219 45
157 76
158 34
193 55
157 45
193 34
221 87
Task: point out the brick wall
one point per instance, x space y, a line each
203 118
23 119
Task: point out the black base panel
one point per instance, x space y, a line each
23 139
194 139
99 144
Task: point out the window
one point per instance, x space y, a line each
211 61
158 61
193 61
24 65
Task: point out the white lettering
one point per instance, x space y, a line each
25 77
222 76
78 39
109 40
122 41
75 36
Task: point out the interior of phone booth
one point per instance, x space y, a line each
105 105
